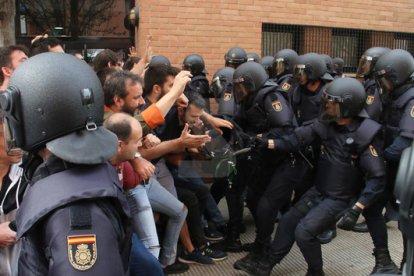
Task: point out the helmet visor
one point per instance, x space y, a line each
299 74
330 108
242 88
9 139
384 83
365 66
279 66
217 86
338 68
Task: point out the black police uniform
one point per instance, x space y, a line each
306 106
348 153
287 83
373 214
83 225
373 104
265 112
305 103
404 193
226 102
399 128
222 89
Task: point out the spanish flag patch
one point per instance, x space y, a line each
82 252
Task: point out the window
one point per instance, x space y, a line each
348 44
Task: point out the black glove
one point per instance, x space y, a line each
349 219
259 143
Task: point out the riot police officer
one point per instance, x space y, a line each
310 73
234 57
199 83
365 70
394 75
404 193
283 64
73 218
350 155
338 67
373 214
373 104
159 59
264 112
329 65
267 62
222 89
253 57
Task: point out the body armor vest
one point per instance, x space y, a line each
339 175
396 120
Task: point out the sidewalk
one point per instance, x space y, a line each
348 254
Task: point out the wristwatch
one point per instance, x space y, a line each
137 155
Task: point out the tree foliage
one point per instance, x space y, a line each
76 17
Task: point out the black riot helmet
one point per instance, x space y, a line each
235 56
310 67
248 78
368 60
284 61
56 100
329 63
221 79
347 98
253 57
267 62
393 69
160 60
338 65
195 64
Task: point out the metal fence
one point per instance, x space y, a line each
348 44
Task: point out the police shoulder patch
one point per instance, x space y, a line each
373 151
286 86
277 106
370 99
227 97
412 112
82 252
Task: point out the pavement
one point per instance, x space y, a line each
349 253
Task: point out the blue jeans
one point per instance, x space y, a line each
164 177
163 202
142 219
141 262
189 179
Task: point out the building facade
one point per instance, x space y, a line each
210 28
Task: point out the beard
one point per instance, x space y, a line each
129 109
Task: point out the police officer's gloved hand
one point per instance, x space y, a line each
350 218
259 143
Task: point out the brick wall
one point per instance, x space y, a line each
210 28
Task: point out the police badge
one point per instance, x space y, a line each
82 251
277 106
286 86
227 97
373 151
370 100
